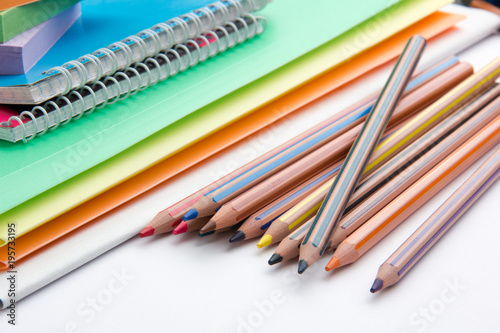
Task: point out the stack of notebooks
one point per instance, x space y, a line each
102 118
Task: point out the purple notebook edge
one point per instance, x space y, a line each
22 52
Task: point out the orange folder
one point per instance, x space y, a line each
307 93
6 4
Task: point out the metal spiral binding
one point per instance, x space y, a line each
91 67
186 55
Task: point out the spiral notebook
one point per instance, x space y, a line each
137 62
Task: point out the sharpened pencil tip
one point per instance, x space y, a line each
334 263
181 228
176 223
203 234
210 226
237 237
265 241
190 215
275 258
146 232
302 266
377 285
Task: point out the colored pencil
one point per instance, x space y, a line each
257 223
279 229
414 161
253 199
453 100
195 225
433 89
410 252
316 241
288 248
320 135
381 224
218 231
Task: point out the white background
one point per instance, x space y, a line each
190 284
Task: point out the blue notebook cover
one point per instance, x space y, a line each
100 25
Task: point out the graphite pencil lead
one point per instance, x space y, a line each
302 266
237 237
275 258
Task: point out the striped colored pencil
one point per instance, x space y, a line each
212 200
440 85
408 254
255 198
423 154
364 238
256 224
431 158
316 241
453 100
288 248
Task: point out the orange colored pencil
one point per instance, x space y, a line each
375 229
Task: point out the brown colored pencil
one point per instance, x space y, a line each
381 224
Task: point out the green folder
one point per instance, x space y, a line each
27 170
14 21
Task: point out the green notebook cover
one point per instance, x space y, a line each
14 21
30 169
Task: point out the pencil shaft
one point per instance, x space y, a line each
381 224
408 254
288 248
434 146
258 222
430 91
351 117
453 100
316 241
